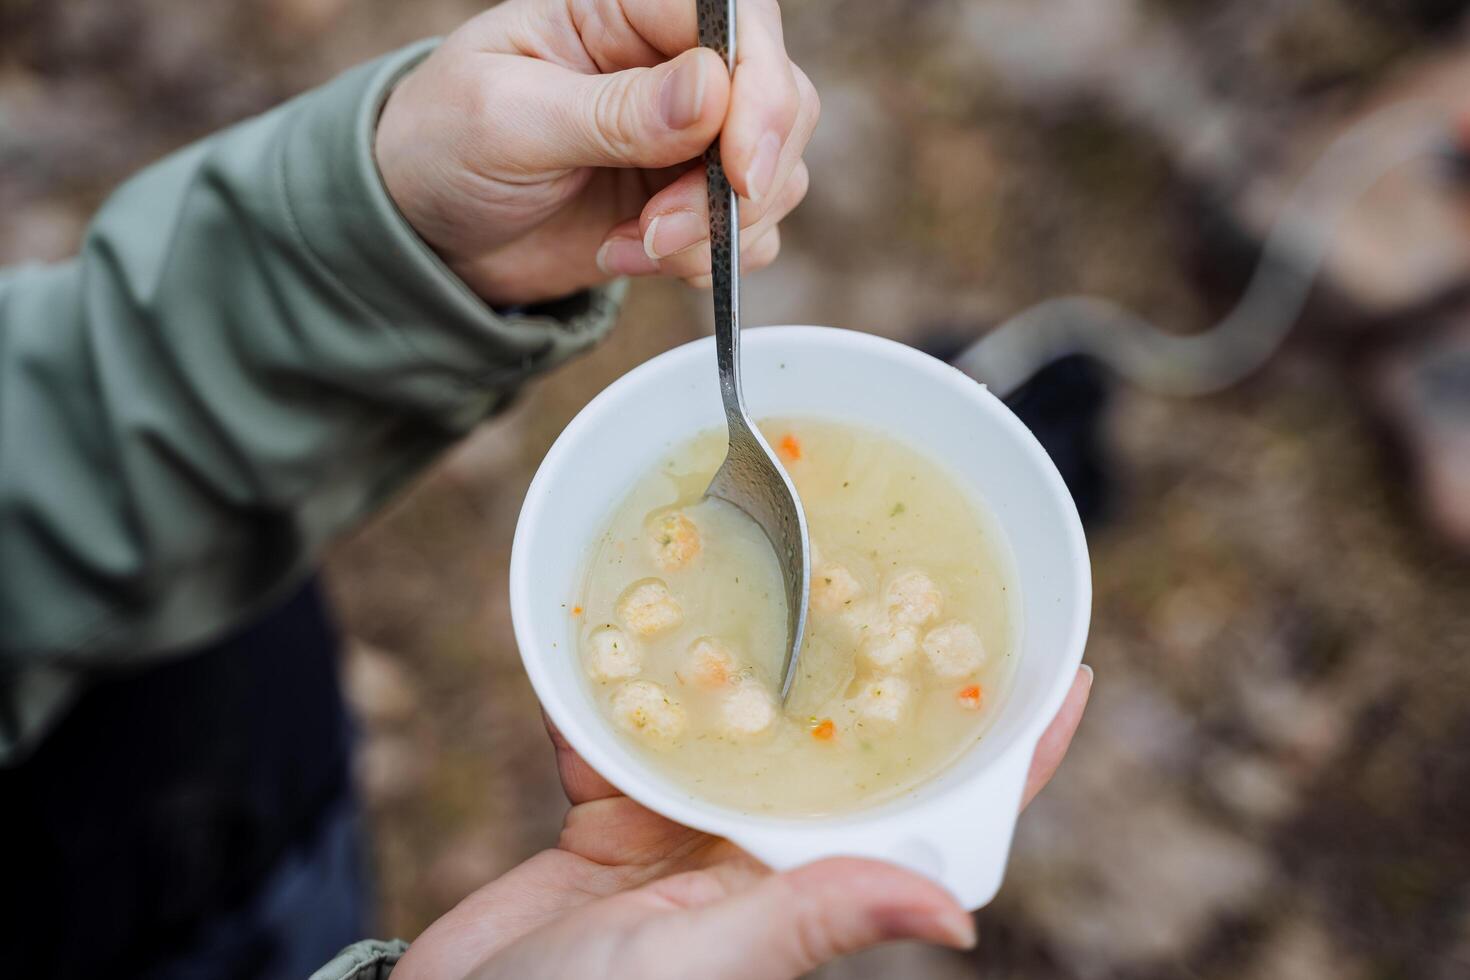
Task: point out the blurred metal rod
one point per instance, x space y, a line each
1214 359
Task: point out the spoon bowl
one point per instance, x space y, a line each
752 480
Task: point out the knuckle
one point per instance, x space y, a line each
815 940
473 98
751 212
771 250
811 99
763 251
789 103
614 122
770 14
797 186
693 262
476 103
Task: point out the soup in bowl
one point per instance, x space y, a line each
909 642
951 596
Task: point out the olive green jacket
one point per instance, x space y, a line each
367 960
251 353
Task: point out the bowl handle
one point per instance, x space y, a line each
961 841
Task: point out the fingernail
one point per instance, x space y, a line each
681 97
955 929
964 933
763 166
950 928
1087 670
624 257
673 232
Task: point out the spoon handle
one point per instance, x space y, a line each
717 31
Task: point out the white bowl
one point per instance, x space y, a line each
956 828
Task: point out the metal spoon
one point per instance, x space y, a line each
751 478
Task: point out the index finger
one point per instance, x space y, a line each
764 101
765 98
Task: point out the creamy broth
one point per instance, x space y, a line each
909 641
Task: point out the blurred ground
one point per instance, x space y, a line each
1272 781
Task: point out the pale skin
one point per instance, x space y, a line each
628 893
552 145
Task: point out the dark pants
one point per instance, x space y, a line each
194 819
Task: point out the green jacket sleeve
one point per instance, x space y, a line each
371 959
252 350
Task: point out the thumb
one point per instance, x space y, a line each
641 117
794 922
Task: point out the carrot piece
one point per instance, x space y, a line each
712 674
791 446
576 610
824 730
970 697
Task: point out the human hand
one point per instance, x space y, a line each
628 893
549 145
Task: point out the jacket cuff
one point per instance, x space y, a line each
342 213
371 959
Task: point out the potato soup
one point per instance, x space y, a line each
909 642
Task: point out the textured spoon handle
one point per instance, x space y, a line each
717 31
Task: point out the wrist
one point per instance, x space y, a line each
440 198
394 139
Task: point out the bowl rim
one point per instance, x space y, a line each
713 817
